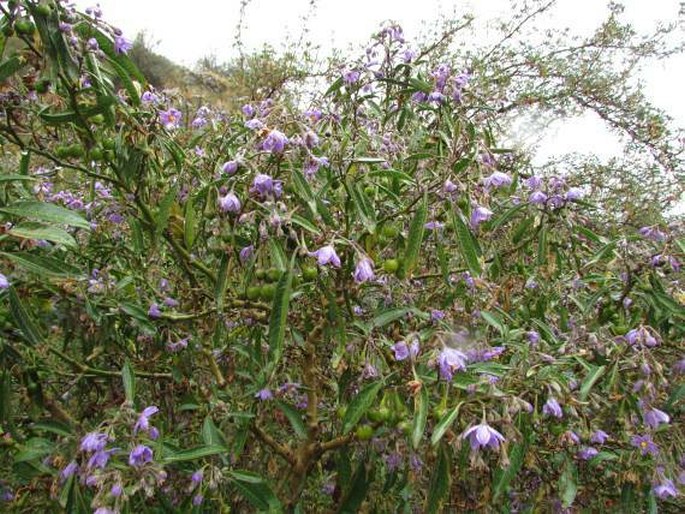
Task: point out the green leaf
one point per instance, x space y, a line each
389 316
358 490
439 484
190 222
568 483
542 247
221 282
420 417
128 376
415 239
42 265
194 453
503 477
359 405
494 321
295 418
12 177
24 319
590 381
47 212
467 244
38 232
11 66
34 448
444 424
279 316
211 435
255 490
164 211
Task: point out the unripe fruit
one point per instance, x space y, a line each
62 151
391 265
108 143
267 291
24 27
273 274
380 415
369 190
364 432
42 86
310 272
43 9
390 231
253 292
342 410
260 273
405 427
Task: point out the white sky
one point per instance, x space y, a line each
186 31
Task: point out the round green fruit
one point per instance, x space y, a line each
267 291
253 292
109 143
76 151
380 415
273 274
260 273
62 151
96 154
310 273
42 86
390 231
369 190
24 27
342 410
391 265
364 432
43 9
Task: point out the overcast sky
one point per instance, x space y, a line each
186 31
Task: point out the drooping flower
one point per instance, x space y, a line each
264 186
100 458
154 312
483 436
68 470
248 110
122 45
401 350
574 194
178 345
664 489
116 490
364 271
437 315
479 215
326 255
229 203
230 167
246 253
537 198
552 408
4 283
645 444
533 337
275 142
587 453
94 441
652 233
434 225
171 118
351 76
533 183
599 437
254 124
497 179
143 422
140 455
449 361
264 394
654 417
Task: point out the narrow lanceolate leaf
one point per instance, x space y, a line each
128 377
24 319
439 484
503 477
46 212
194 453
467 244
568 483
295 418
590 381
13 177
279 315
190 222
255 490
444 424
542 247
162 216
221 281
358 490
43 265
38 232
415 239
420 417
11 66
359 405
211 435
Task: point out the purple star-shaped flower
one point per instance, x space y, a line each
326 255
552 408
483 436
275 142
140 455
449 361
229 203
143 422
364 271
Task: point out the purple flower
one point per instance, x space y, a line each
254 124
364 271
599 437
326 255
246 253
587 453
264 394
351 76
652 233
148 97
483 436
68 470
449 361
479 215
122 45
92 45
497 179
248 110
116 490
229 203
537 198
196 477
437 315
533 337
264 185
574 194
178 345
434 225
552 408
401 350
4 283
645 444
140 455
100 458
533 183
154 312
449 187
654 417
143 422
665 489
230 167
94 441
104 510
275 142
170 302
198 499
171 118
